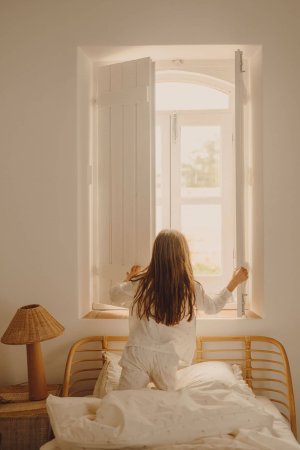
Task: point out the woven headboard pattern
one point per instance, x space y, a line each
263 361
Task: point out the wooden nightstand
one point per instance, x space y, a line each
24 424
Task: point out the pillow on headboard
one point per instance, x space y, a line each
109 376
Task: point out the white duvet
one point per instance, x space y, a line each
188 419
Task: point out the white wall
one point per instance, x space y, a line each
38 148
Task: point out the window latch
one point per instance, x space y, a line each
174 127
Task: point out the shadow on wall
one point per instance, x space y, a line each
13 364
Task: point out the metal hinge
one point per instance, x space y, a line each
241 61
241 306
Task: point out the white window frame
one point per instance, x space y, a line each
170 124
94 268
171 184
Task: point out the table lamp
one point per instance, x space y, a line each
30 325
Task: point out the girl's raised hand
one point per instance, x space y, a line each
240 275
133 271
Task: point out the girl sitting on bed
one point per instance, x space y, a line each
162 324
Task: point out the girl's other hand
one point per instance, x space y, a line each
240 275
133 271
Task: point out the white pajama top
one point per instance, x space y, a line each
179 339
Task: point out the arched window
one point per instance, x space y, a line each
194 169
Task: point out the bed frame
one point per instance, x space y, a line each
263 361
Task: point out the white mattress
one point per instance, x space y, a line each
276 437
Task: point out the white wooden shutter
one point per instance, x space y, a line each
240 175
125 170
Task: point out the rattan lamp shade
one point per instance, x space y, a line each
30 325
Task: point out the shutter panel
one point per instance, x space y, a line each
240 175
125 158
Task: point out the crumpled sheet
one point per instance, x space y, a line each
188 419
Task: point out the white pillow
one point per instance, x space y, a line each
212 375
109 376
204 375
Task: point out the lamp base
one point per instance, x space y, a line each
36 374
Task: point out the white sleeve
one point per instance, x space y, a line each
210 304
122 294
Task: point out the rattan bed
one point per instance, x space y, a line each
263 361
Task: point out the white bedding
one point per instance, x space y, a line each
158 420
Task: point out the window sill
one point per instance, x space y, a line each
227 314
123 314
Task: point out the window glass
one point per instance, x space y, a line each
194 179
200 181
202 225
200 161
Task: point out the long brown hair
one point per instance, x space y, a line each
166 290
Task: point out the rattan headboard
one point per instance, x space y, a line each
263 361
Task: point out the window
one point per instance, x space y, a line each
194 170
161 159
